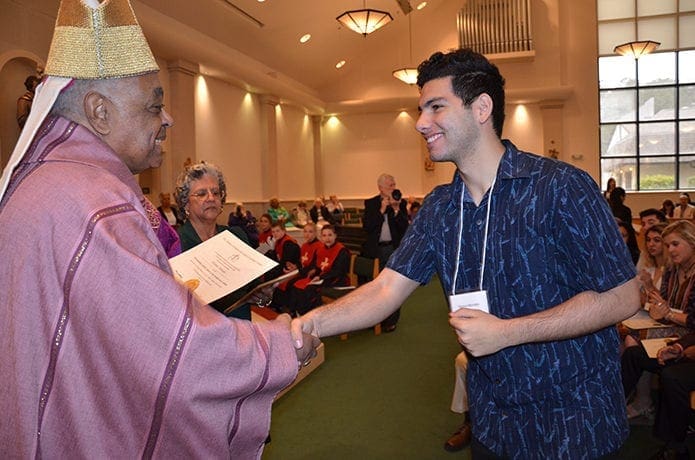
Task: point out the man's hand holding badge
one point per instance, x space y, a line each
473 323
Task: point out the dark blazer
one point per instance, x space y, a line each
373 219
327 216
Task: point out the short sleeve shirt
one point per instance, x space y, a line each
551 236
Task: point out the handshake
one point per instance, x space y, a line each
305 348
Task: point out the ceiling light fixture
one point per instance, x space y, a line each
407 74
305 38
636 49
340 64
421 6
364 21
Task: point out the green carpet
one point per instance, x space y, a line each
387 396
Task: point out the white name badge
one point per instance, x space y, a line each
476 300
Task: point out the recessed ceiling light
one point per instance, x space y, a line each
261 1
305 38
340 64
420 5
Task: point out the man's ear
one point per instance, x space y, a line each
96 112
483 107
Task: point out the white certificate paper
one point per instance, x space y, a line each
652 346
642 320
219 266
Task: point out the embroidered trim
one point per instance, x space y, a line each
165 385
64 317
264 380
153 214
30 164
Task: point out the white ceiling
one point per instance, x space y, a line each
228 42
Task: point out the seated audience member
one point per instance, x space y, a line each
332 264
306 267
200 192
651 216
684 210
690 202
673 303
243 219
169 212
655 258
300 215
628 234
278 212
335 207
319 213
285 251
675 364
265 234
308 250
667 207
648 217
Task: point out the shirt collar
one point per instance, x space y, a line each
513 165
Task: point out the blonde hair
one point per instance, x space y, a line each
685 229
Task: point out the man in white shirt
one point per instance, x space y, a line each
684 210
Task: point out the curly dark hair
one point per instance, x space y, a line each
472 75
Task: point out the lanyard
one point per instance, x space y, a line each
487 223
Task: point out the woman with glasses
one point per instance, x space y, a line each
200 193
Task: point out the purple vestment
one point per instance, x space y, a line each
104 354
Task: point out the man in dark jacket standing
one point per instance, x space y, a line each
385 221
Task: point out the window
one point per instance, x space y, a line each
647 106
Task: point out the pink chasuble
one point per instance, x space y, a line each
104 354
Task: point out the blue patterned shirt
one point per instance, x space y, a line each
551 237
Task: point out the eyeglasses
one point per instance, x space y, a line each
201 194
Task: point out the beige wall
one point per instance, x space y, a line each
228 135
358 148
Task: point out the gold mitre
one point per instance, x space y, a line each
104 41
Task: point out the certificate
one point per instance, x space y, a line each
652 346
642 320
219 266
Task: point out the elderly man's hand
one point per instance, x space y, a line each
305 344
307 351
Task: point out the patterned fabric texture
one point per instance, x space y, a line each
551 236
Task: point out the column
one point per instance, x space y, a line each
318 155
181 106
269 146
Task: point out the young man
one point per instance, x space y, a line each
537 279
104 353
650 217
